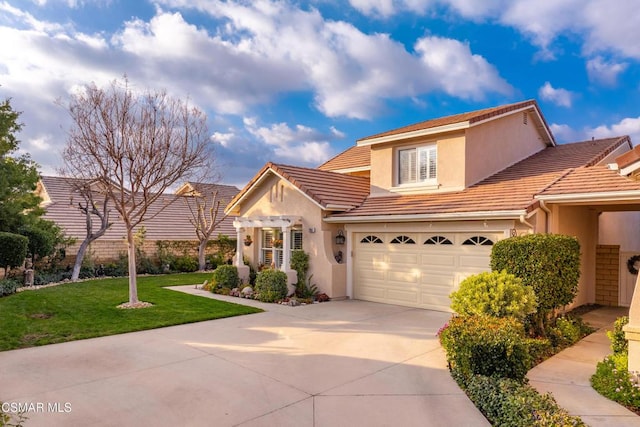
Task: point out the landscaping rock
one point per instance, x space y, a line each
247 292
294 302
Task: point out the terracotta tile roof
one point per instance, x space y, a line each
596 179
512 189
328 189
354 157
170 224
471 117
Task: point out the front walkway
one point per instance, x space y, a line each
343 363
567 374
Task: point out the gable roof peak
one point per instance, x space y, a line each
460 122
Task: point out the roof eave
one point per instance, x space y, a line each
454 216
350 170
414 134
597 197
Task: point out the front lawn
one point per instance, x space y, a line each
82 310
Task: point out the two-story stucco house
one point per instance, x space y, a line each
404 216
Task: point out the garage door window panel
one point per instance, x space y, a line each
371 239
478 241
403 240
438 240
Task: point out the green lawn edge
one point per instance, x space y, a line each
88 309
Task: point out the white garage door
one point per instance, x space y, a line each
419 269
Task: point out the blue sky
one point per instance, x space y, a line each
296 82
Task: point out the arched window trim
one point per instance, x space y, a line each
478 241
438 240
371 239
403 240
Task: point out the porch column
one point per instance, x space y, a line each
239 250
243 270
286 243
632 332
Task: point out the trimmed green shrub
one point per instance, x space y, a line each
619 343
226 276
567 331
184 264
43 237
271 285
13 250
486 345
300 263
507 402
497 294
43 278
8 287
613 381
549 263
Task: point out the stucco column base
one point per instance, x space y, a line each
632 333
243 273
292 279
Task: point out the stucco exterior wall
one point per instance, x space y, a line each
275 197
497 144
451 164
614 230
581 222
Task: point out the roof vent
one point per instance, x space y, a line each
524 118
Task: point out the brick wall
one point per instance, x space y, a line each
607 274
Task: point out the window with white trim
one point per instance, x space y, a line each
272 240
418 165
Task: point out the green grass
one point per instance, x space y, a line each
82 310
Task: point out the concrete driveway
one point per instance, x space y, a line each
342 363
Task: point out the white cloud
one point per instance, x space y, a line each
350 73
627 126
603 26
457 70
604 72
383 8
299 144
564 133
560 97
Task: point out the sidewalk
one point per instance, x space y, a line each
566 375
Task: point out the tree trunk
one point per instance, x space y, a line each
79 258
133 286
202 249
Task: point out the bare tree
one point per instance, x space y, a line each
136 146
90 208
204 218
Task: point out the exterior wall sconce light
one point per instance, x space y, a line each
340 239
312 230
248 241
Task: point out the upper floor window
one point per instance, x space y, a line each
416 165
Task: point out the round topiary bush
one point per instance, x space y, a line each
226 276
497 294
271 285
486 345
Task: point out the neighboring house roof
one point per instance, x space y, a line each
511 191
629 162
329 190
463 121
201 189
353 159
60 202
